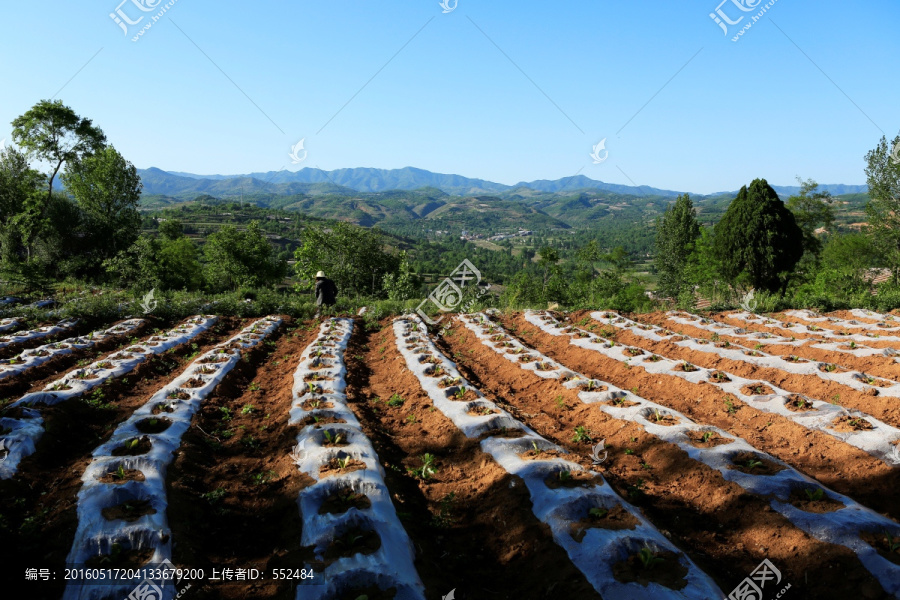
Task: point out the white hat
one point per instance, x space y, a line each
320 274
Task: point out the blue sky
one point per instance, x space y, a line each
500 90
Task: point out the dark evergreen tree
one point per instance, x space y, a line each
758 241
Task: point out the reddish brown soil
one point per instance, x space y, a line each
724 529
233 487
471 521
883 408
38 505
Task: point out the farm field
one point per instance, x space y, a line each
510 455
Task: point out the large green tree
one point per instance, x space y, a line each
758 242
353 257
236 258
883 209
812 210
108 190
51 131
20 199
677 231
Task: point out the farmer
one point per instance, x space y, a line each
326 292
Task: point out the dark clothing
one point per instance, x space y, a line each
326 292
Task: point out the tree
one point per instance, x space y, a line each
812 209
845 265
108 190
51 131
676 232
402 284
548 260
241 259
171 229
157 263
19 197
353 257
883 209
758 242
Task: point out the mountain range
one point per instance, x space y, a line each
310 181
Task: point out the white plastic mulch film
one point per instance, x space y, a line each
843 526
27 429
34 357
109 480
562 507
320 406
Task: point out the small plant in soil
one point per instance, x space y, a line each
225 413
730 408
247 409
893 542
333 438
636 490
395 401
582 435
460 393
707 435
687 367
720 377
427 470
178 395
537 450
752 464
564 476
343 462
598 513
264 477
254 387
814 494
829 368
118 473
629 451
655 358
560 402
648 558
411 418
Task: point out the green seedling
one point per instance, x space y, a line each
132 444
629 451
752 464
226 413
254 387
707 436
715 337
332 438
648 558
598 513
852 345
119 473
460 393
560 403
758 347
537 450
814 494
248 408
581 435
893 542
564 476
411 418
730 407
830 368
395 401
427 469
343 462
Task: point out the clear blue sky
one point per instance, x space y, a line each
501 90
